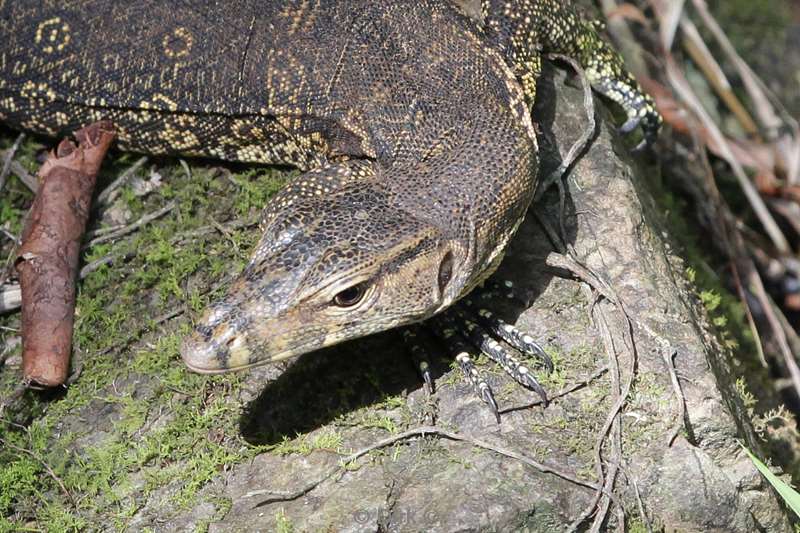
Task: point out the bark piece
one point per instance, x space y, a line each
48 258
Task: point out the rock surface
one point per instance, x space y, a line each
702 482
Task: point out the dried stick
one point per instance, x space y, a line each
107 194
8 158
560 394
130 228
23 175
48 258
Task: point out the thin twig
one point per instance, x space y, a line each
105 195
10 236
640 506
130 228
227 234
669 359
560 394
24 176
107 260
238 223
420 431
8 158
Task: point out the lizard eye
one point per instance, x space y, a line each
350 296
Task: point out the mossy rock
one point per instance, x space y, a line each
139 443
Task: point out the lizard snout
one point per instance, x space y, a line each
215 350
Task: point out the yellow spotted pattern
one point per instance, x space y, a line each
410 120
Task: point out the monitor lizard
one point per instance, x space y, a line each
410 120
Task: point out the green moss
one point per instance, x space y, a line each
746 396
135 421
57 519
19 479
636 525
282 522
306 444
725 311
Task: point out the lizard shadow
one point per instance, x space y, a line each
324 385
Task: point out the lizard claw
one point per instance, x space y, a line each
488 398
419 356
480 386
641 147
447 328
510 334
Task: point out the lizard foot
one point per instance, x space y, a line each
466 329
649 120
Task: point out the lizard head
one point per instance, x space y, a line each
329 267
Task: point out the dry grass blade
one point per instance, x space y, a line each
121 232
721 145
701 55
758 155
766 113
685 92
669 14
787 146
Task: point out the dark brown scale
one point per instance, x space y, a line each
410 118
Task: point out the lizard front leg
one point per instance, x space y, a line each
527 28
468 329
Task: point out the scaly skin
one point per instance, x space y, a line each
410 119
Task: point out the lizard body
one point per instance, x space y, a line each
410 119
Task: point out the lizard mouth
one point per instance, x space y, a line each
214 371
232 350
